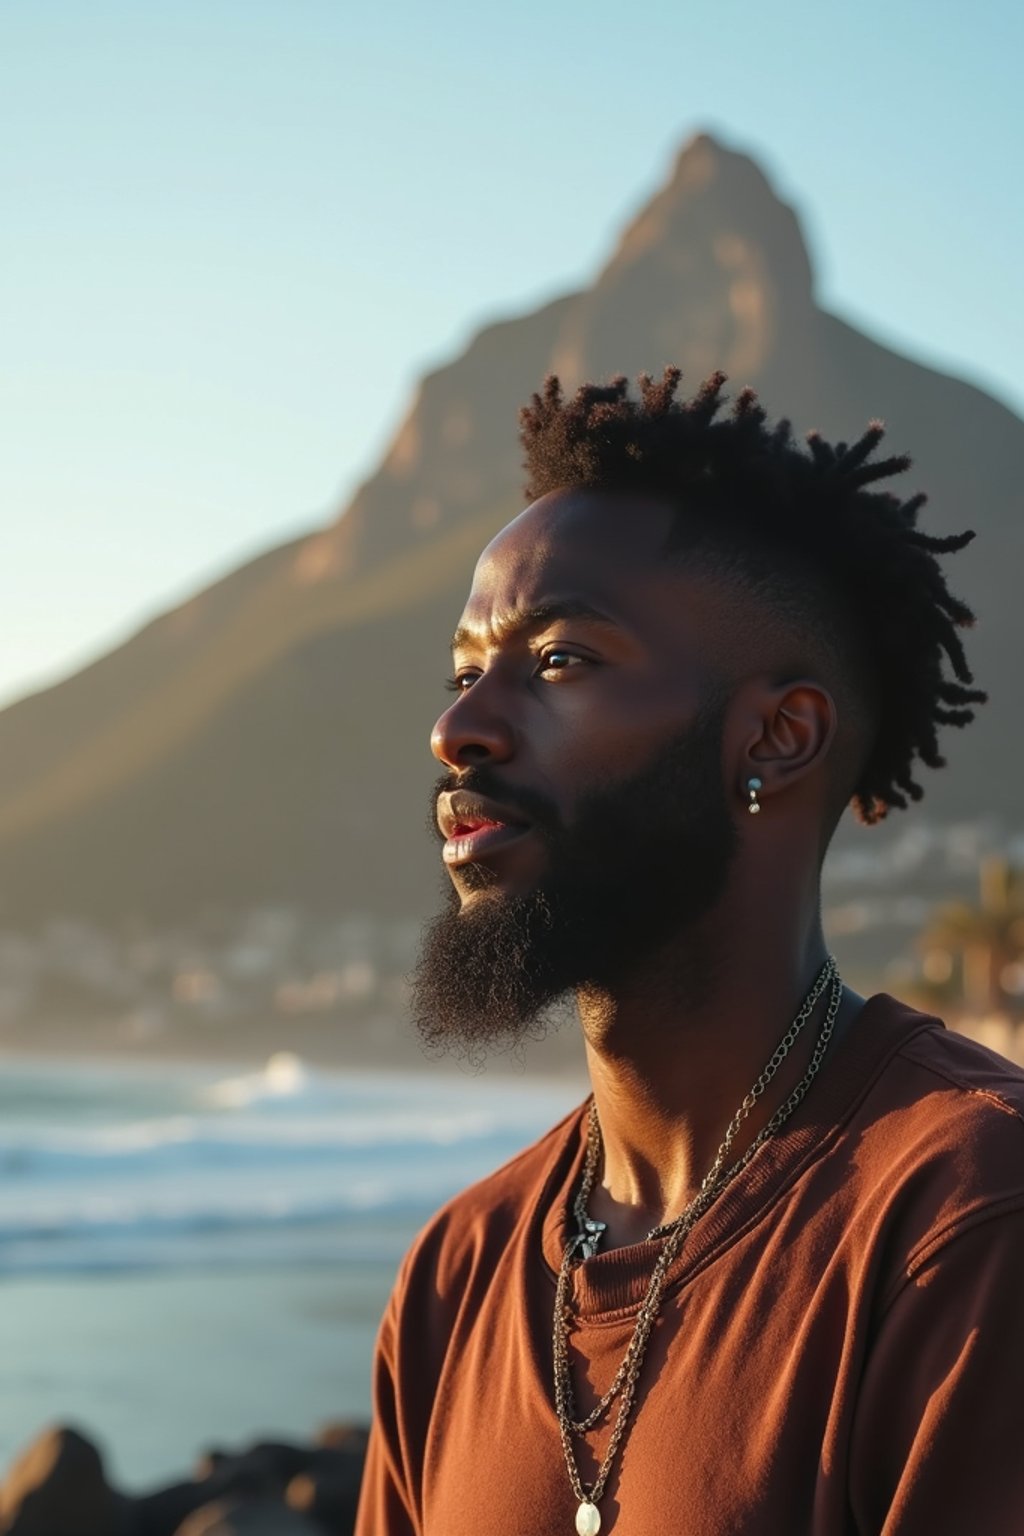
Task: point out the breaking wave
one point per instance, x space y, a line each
134 1167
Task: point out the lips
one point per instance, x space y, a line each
469 828
475 827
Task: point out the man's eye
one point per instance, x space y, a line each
555 660
460 682
559 660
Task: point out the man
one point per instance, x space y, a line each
770 1278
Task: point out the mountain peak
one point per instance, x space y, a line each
718 262
696 157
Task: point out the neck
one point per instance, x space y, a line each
672 1054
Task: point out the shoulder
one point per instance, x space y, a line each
978 1079
938 1138
942 1090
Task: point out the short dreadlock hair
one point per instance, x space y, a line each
806 526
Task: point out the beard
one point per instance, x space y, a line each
643 860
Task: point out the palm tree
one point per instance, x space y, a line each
975 953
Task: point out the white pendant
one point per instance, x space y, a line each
588 1519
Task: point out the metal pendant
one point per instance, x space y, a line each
589 1241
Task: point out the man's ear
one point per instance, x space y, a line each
790 728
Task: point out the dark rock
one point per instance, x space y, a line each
320 1481
260 1517
263 1468
329 1495
341 1462
57 1487
342 1436
257 1475
209 1461
160 1513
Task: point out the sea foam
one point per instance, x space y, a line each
128 1167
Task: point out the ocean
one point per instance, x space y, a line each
194 1257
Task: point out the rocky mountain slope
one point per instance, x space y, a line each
267 740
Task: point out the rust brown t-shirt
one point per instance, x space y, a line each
840 1349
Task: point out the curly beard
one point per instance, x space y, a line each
642 861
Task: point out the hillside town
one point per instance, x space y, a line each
937 917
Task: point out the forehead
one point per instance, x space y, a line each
605 549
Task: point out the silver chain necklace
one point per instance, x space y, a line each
589 1233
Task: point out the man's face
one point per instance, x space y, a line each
583 814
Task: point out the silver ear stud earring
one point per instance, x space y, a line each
753 785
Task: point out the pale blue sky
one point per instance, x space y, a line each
235 231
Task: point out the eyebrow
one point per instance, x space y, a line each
537 618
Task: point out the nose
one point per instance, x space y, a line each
472 731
